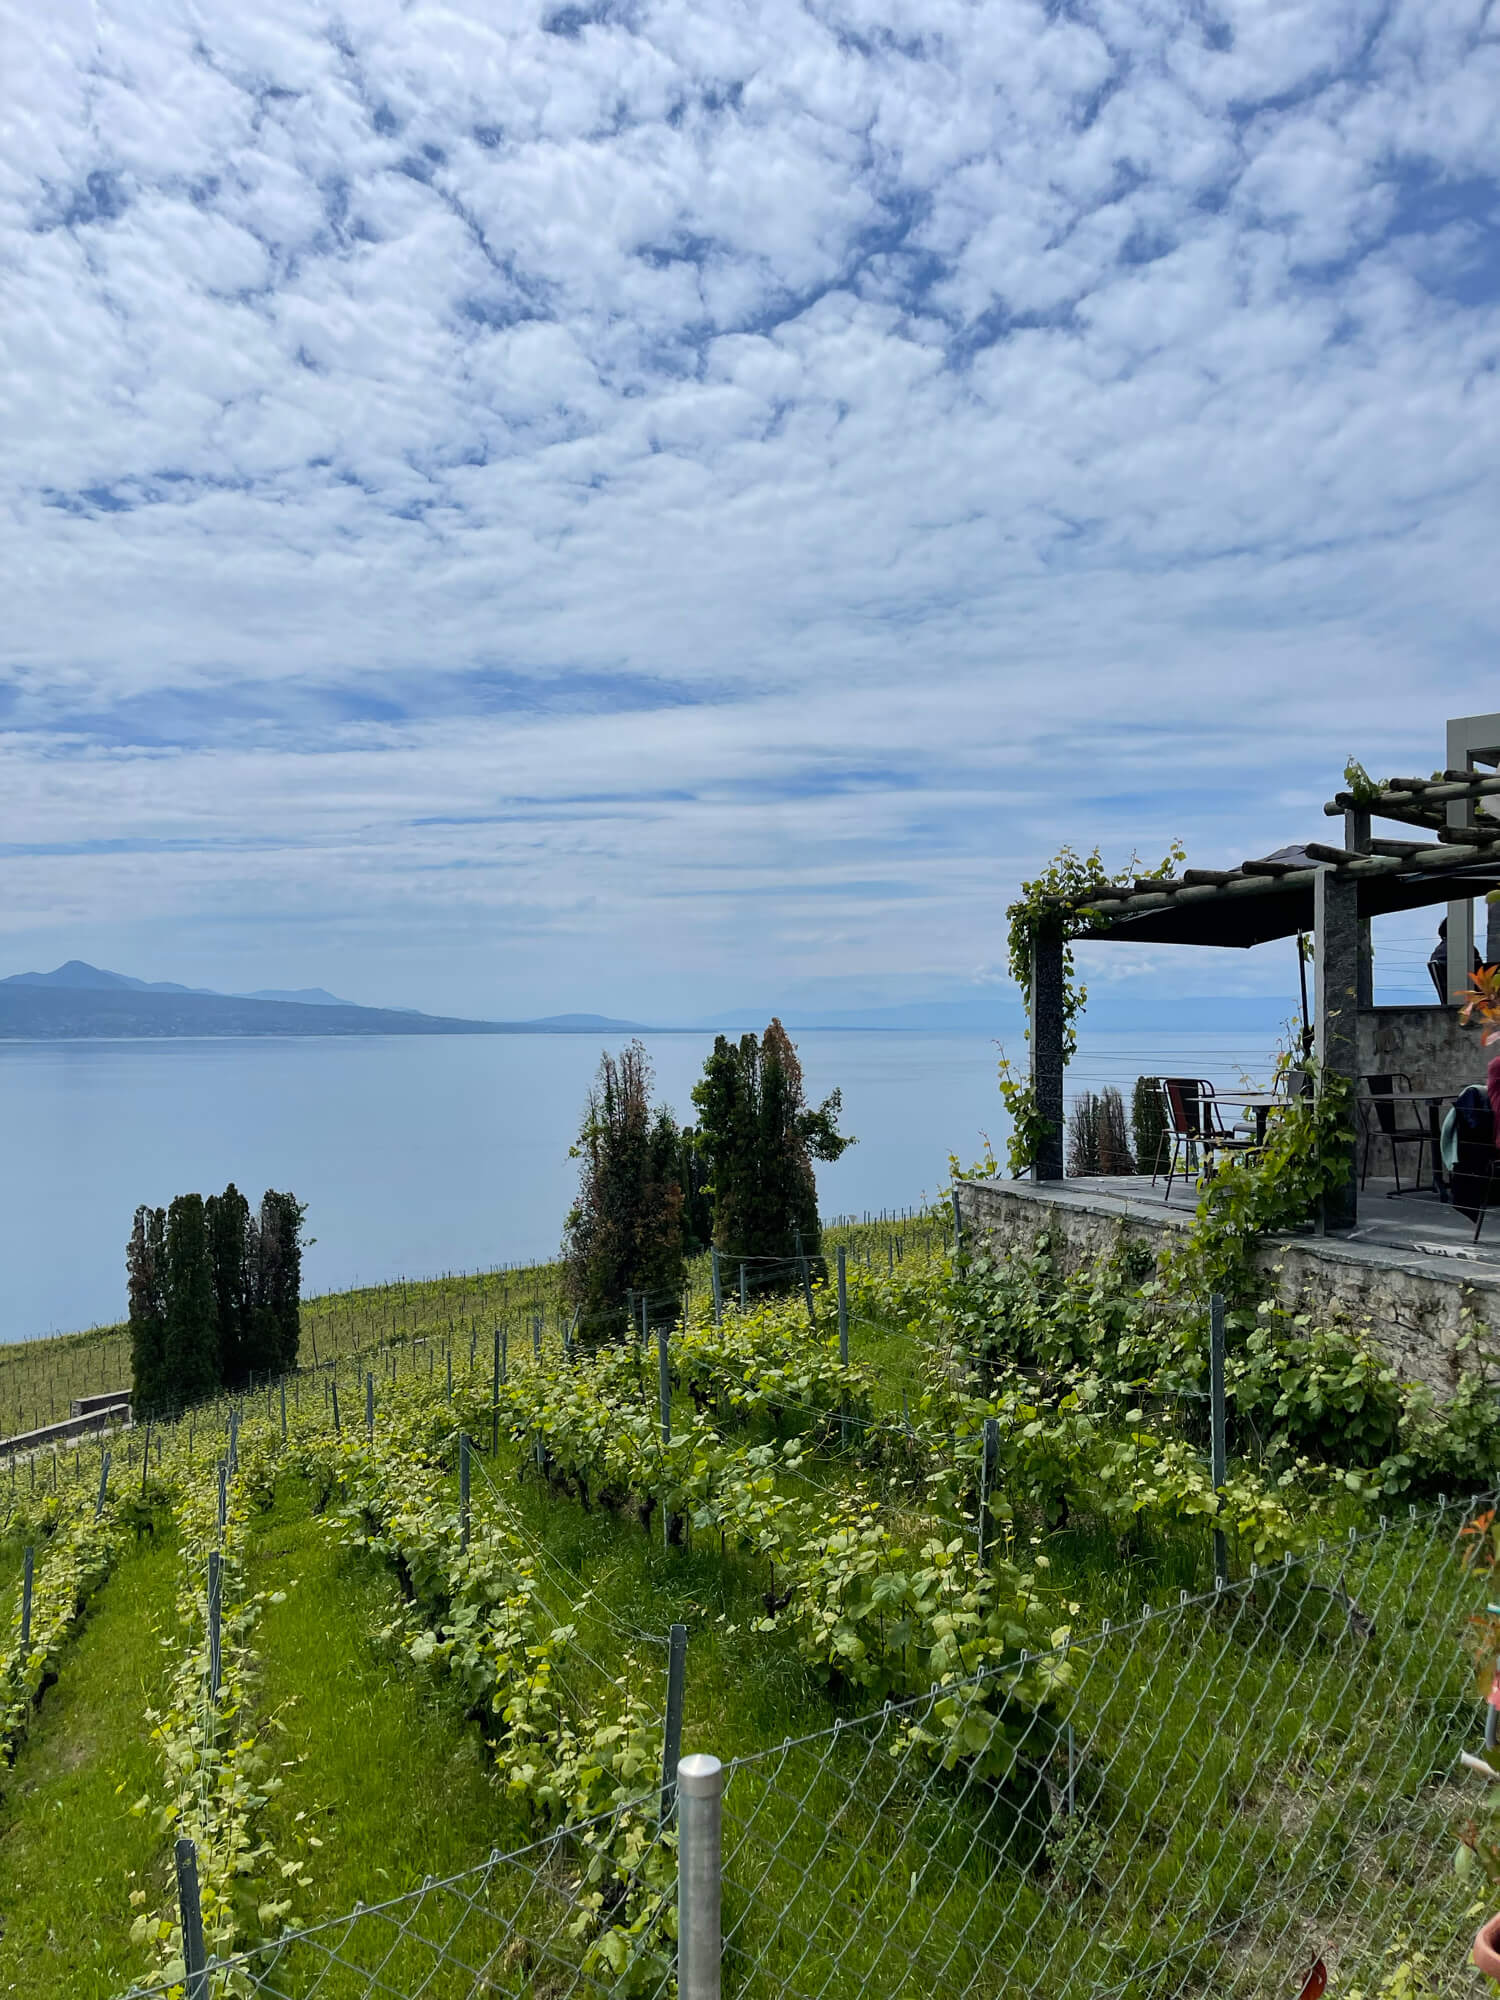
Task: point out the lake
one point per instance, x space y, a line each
420 1154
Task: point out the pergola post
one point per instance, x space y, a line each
1336 965
1047 1048
1357 841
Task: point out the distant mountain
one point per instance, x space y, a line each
77 977
51 1013
579 1024
299 996
80 1001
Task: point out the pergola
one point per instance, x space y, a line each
1331 891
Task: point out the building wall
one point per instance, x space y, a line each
1429 1043
1414 1311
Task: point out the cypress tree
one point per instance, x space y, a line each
761 1139
191 1342
145 1269
625 1231
697 1199
228 1221
1083 1135
1148 1124
275 1283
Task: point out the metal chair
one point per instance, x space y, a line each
1385 1121
1194 1124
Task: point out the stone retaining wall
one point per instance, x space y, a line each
1416 1311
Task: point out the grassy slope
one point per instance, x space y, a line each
395 1783
379 1765
70 1850
38 1378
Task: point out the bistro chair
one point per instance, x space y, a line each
1385 1121
1196 1125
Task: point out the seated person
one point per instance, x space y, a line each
1471 1136
1437 964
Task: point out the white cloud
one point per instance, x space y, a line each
931 399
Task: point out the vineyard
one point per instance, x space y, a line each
406 1644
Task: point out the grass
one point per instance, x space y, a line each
71 1852
379 1766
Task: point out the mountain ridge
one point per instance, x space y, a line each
79 1002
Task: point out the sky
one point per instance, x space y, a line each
649 508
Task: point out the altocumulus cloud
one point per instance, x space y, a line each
656 486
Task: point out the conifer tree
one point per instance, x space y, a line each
275 1264
192 1340
228 1221
145 1269
697 1199
624 1233
761 1140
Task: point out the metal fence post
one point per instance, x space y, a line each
700 1819
338 1429
283 1409
463 1489
500 1361
987 1467
1219 1467
223 1495
215 1613
536 1336
194 1957
843 1343
744 1293
103 1484
718 1291
958 1229
370 1404
806 1273
671 1745
27 1574
664 1398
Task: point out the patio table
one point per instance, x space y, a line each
1260 1103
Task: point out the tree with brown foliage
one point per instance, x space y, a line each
624 1233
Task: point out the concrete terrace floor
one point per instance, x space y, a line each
1417 1228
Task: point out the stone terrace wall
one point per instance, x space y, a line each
1416 1311
1428 1043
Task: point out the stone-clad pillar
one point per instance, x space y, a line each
1357 840
1336 965
1047 1049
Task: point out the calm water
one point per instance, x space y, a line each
422 1154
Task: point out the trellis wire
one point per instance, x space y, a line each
1215 1795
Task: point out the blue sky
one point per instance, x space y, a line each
649 506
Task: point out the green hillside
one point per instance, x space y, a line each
401 1696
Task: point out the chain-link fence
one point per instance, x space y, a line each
1211 1799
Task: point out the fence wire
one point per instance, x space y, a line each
1213 1797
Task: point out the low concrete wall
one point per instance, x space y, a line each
111 1399
1415 1311
113 1416
1428 1043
